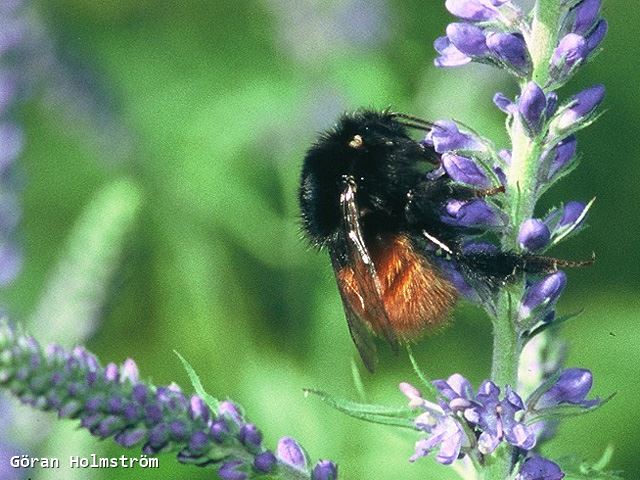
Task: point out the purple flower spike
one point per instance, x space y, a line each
538 468
543 294
534 235
561 155
474 10
464 170
571 52
445 136
264 462
572 387
586 13
290 452
325 470
11 143
509 49
468 39
582 106
475 213
230 471
595 38
532 105
450 56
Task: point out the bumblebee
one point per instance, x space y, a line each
366 197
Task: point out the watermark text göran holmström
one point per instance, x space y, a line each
91 461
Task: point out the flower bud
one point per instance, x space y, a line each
534 235
586 14
265 461
543 294
581 108
531 105
231 471
291 453
595 38
464 170
538 468
467 38
445 136
570 53
474 10
560 156
450 56
510 49
325 470
474 213
572 387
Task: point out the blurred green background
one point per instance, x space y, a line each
207 108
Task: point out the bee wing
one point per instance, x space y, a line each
367 288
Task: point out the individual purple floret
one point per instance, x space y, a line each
468 39
538 468
534 235
111 402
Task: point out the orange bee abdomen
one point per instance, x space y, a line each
415 294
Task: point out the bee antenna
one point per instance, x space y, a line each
416 126
413 119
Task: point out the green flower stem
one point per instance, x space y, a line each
521 196
544 37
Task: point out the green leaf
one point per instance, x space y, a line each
395 416
211 401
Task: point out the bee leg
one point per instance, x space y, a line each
489 192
